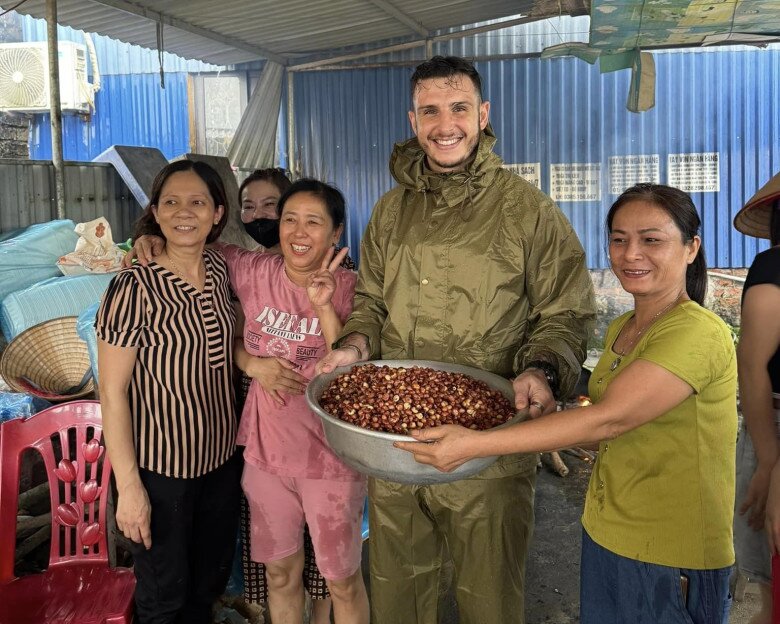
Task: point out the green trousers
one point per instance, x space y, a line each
484 524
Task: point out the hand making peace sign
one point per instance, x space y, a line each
322 284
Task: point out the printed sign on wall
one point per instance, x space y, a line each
695 172
626 171
570 182
532 172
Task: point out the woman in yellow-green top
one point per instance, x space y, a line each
657 542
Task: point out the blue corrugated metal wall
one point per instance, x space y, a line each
130 109
565 111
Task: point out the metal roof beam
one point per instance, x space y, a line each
457 34
156 16
389 8
358 55
410 44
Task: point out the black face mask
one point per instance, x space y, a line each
264 231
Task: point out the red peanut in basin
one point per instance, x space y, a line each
397 400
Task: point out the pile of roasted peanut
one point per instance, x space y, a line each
398 400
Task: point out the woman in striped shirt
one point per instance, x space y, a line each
165 335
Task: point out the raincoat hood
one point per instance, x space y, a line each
410 170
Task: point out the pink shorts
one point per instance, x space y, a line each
280 506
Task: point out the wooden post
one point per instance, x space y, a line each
55 107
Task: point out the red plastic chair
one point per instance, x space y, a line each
775 589
78 587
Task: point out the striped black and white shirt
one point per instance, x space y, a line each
181 392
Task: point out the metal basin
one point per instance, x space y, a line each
372 452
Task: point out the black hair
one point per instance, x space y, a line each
334 201
274 175
147 224
774 223
679 206
445 67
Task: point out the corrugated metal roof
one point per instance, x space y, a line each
519 39
116 57
236 31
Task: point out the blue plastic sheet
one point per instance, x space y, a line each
31 255
20 405
53 298
235 586
85 328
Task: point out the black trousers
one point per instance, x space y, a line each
194 524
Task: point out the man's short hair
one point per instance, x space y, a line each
446 67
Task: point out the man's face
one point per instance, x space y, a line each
447 119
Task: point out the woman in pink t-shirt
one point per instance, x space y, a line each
294 305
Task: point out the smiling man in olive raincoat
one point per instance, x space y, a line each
464 262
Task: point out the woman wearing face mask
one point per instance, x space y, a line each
259 195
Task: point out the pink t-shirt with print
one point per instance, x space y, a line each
280 322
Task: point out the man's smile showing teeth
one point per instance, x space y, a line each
447 142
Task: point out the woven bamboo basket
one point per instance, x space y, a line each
49 360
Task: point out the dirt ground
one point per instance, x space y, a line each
552 578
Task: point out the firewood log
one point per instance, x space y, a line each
35 500
580 453
556 463
32 542
25 524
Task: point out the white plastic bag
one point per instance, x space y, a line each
95 250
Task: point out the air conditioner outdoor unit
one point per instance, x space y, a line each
24 77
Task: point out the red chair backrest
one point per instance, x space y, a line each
68 437
775 589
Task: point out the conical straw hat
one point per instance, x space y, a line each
49 360
753 219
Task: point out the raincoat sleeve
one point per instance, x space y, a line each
369 311
560 297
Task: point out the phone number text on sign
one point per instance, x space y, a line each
570 182
694 172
